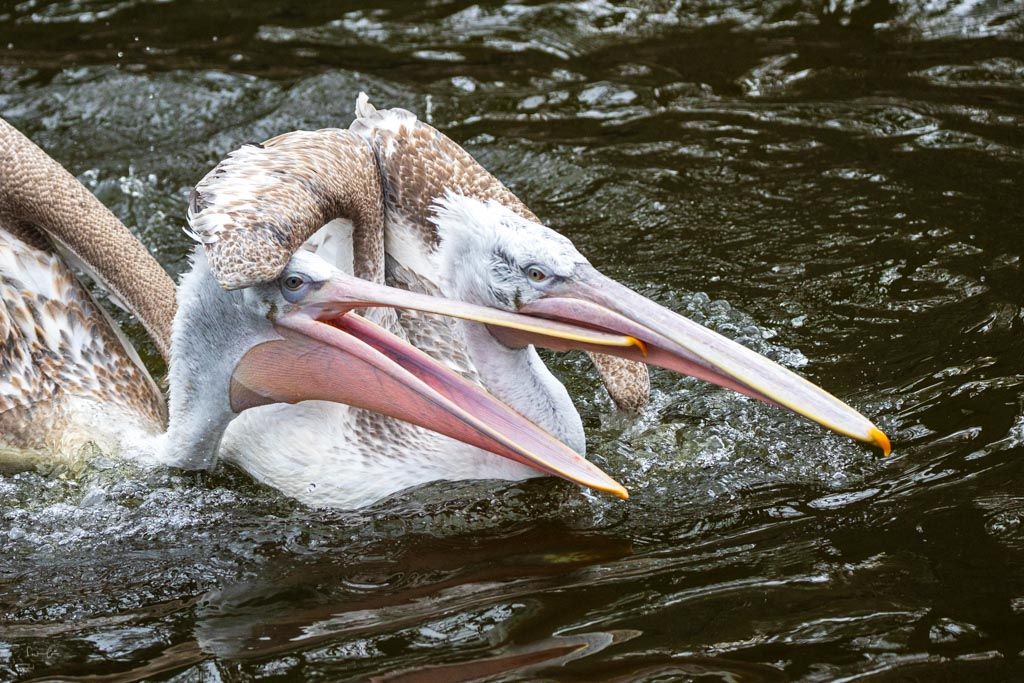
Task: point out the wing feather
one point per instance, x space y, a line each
57 342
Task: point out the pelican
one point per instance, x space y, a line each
70 377
450 229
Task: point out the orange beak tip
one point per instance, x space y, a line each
881 440
619 491
640 344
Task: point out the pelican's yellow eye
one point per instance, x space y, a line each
536 274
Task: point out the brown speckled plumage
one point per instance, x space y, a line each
57 345
419 164
38 195
628 382
255 209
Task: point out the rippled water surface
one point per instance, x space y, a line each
839 185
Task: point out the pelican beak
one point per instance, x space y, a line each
671 341
592 312
326 353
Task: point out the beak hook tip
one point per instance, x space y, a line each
640 344
881 440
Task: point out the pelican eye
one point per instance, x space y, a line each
536 274
295 286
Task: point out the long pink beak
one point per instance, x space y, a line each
347 359
592 312
669 340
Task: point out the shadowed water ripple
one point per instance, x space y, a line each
836 185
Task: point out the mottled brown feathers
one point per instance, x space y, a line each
38 196
628 382
255 209
419 164
56 343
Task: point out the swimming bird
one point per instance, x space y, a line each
70 377
452 229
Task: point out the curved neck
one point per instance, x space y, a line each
38 195
212 331
258 206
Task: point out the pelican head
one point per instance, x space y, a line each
492 256
495 256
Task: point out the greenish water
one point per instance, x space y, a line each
839 185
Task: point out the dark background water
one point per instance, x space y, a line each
838 185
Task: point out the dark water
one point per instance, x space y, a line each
838 185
